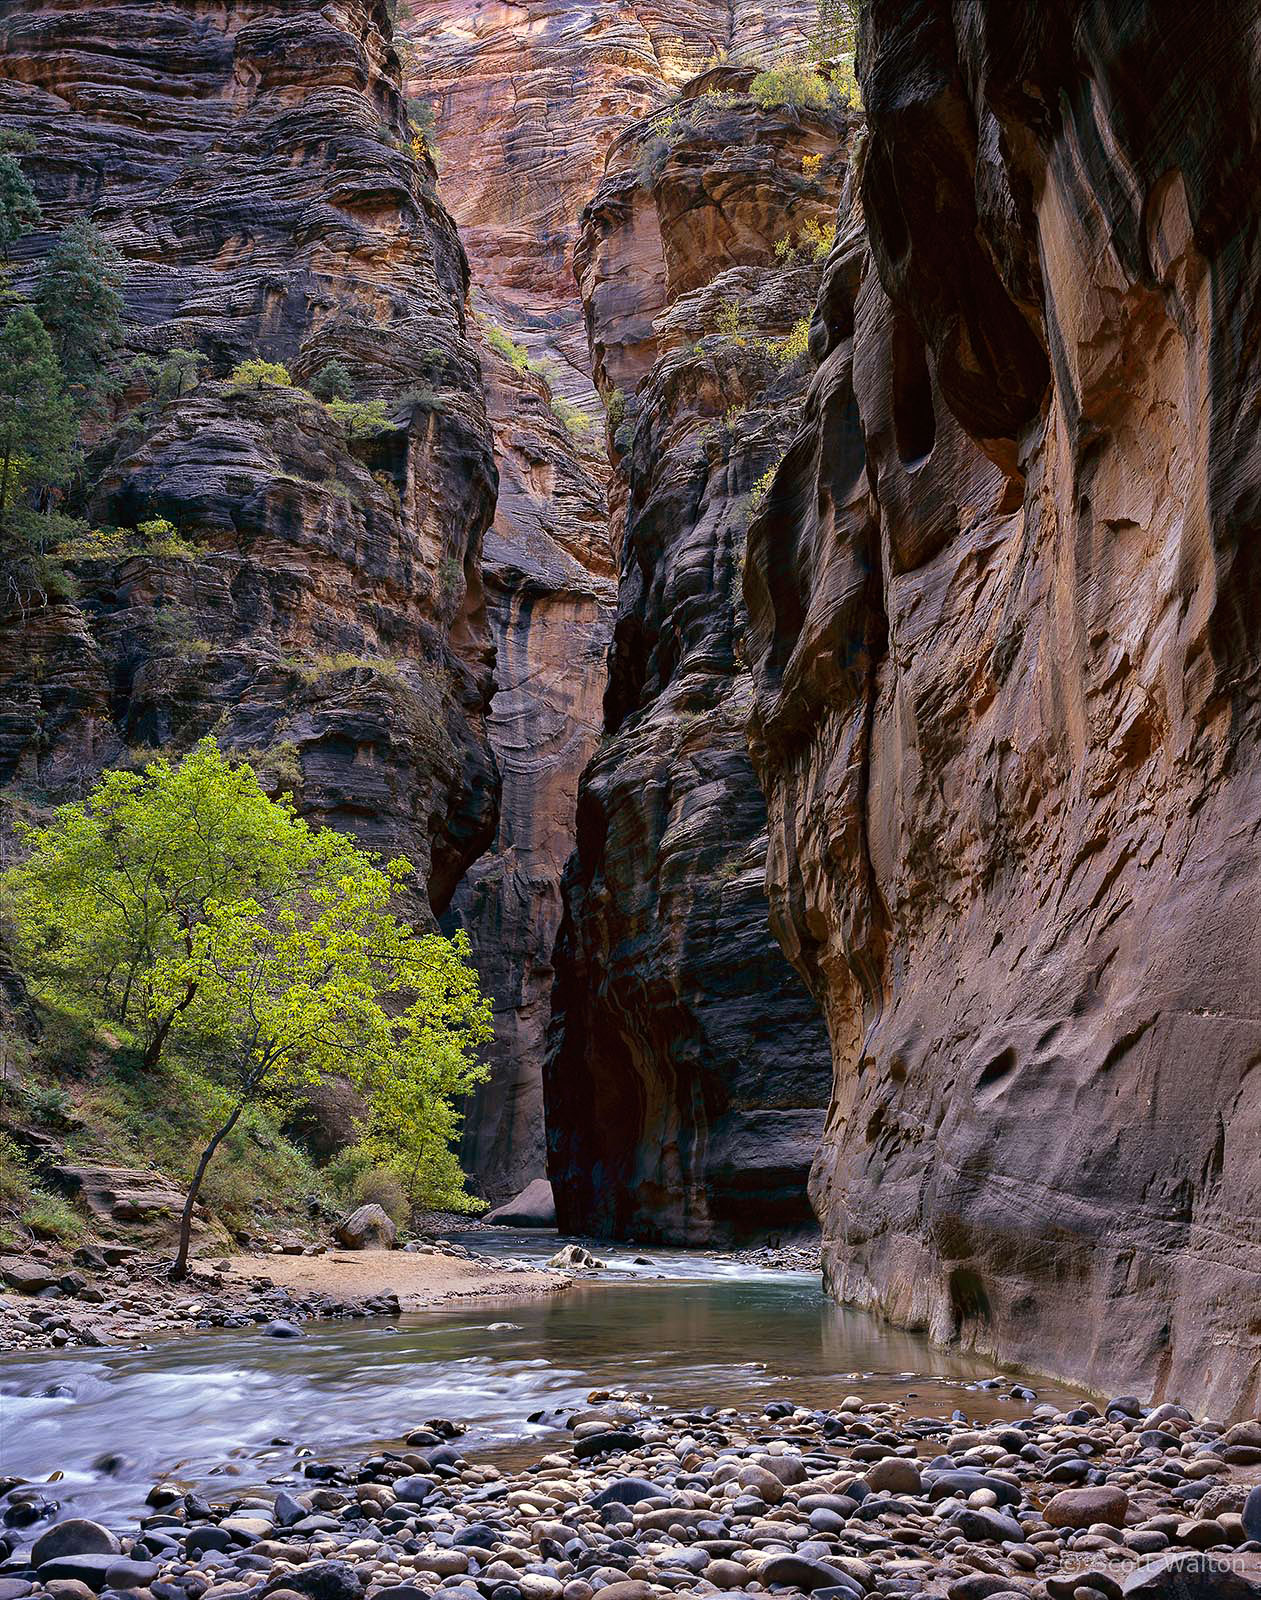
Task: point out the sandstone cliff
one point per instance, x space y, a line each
1003 600
522 106
320 607
688 1068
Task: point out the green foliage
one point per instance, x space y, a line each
188 906
38 431
333 382
763 485
423 122
517 356
174 373
615 408
813 242
114 884
359 419
797 87
19 209
835 35
795 344
259 374
27 1208
575 421
79 300
728 321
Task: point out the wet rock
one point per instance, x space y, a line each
366 1228
77 1536
1079 1508
279 1329
574 1255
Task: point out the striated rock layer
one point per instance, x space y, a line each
1004 609
522 105
321 608
688 1068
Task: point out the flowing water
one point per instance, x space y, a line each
223 1409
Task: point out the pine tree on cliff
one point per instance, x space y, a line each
80 302
37 422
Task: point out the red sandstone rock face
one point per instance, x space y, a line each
525 103
1004 620
252 165
527 100
688 1070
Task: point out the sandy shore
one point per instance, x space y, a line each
98 1304
419 1280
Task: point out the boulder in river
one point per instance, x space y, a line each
573 1255
366 1228
77 1536
534 1207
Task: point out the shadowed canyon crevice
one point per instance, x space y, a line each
524 107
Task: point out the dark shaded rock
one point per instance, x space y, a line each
77 1536
534 1207
1188 1577
323 1580
803 1573
322 609
687 1069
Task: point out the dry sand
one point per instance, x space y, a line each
419 1280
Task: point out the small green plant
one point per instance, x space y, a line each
359 419
796 87
259 374
728 320
575 421
763 485
48 1216
332 382
516 355
615 408
813 242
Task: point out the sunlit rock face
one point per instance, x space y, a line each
325 612
524 103
688 1070
1004 612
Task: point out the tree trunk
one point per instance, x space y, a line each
179 1267
154 1048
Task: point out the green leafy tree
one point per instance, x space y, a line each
19 209
37 422
79 300
332 382
176 372
360 419
186 904
258 374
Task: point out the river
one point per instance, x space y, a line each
222 1410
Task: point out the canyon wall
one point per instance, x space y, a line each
319 607
688 1068
522 106
1004 608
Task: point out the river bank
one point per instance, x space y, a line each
868 1498
116 1295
